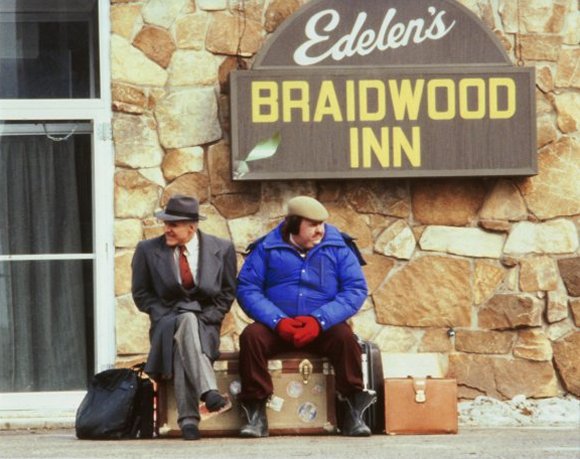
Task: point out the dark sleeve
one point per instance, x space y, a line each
222 302
142 288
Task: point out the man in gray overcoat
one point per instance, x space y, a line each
185 280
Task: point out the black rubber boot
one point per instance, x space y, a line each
354 407
254 412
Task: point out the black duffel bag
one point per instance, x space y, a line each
118 404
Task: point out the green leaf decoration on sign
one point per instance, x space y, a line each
264 148
240 169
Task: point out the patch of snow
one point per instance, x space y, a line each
520 411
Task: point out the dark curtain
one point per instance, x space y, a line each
43 325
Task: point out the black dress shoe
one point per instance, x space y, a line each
190 432
214 401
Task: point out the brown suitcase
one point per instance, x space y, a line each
303 400
420 406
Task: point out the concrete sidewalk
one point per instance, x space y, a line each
528 443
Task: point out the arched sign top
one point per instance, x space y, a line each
380 33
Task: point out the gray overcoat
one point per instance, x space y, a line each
157 292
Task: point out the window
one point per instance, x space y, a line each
56 202
46 288
48 49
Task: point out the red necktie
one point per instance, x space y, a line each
184 271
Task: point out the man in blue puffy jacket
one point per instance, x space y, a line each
300 283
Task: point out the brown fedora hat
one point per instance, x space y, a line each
180 207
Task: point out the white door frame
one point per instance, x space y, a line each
41 409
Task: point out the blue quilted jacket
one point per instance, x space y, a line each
277 282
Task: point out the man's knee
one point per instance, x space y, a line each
252 334
187 319
341 333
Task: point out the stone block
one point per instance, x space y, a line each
435 340
471 242
193 184
486 279
504 203
215 223
538 273
193 68
245 230
182 161
132 327
188 118
557 306
552 237
237 205
396 241
484 341
570 272
448 202
554 191
156 43
123 272
540 46
163 13
546 131
575 307
135 196
190 31
503 378
379 197
566 352
278 11
376 270
430 291
568 108
125 19
224 32
507 311
130 65
533 345
128 233
568 71
136 142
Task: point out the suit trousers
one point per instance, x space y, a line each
258 343
193 372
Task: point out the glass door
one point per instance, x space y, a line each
56 206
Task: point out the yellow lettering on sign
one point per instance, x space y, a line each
327 103
370 145
393 142
406 99
354 155
264 95
448 86
510 86
364 87
401 143
300 103
464 111
350 101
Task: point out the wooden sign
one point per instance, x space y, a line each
355 89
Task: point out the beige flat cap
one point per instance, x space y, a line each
307 207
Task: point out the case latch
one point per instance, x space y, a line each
305 369
419 385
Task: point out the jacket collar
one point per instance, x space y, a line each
332 237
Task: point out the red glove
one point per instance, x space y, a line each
309 331
287 328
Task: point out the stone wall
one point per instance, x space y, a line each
480 275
